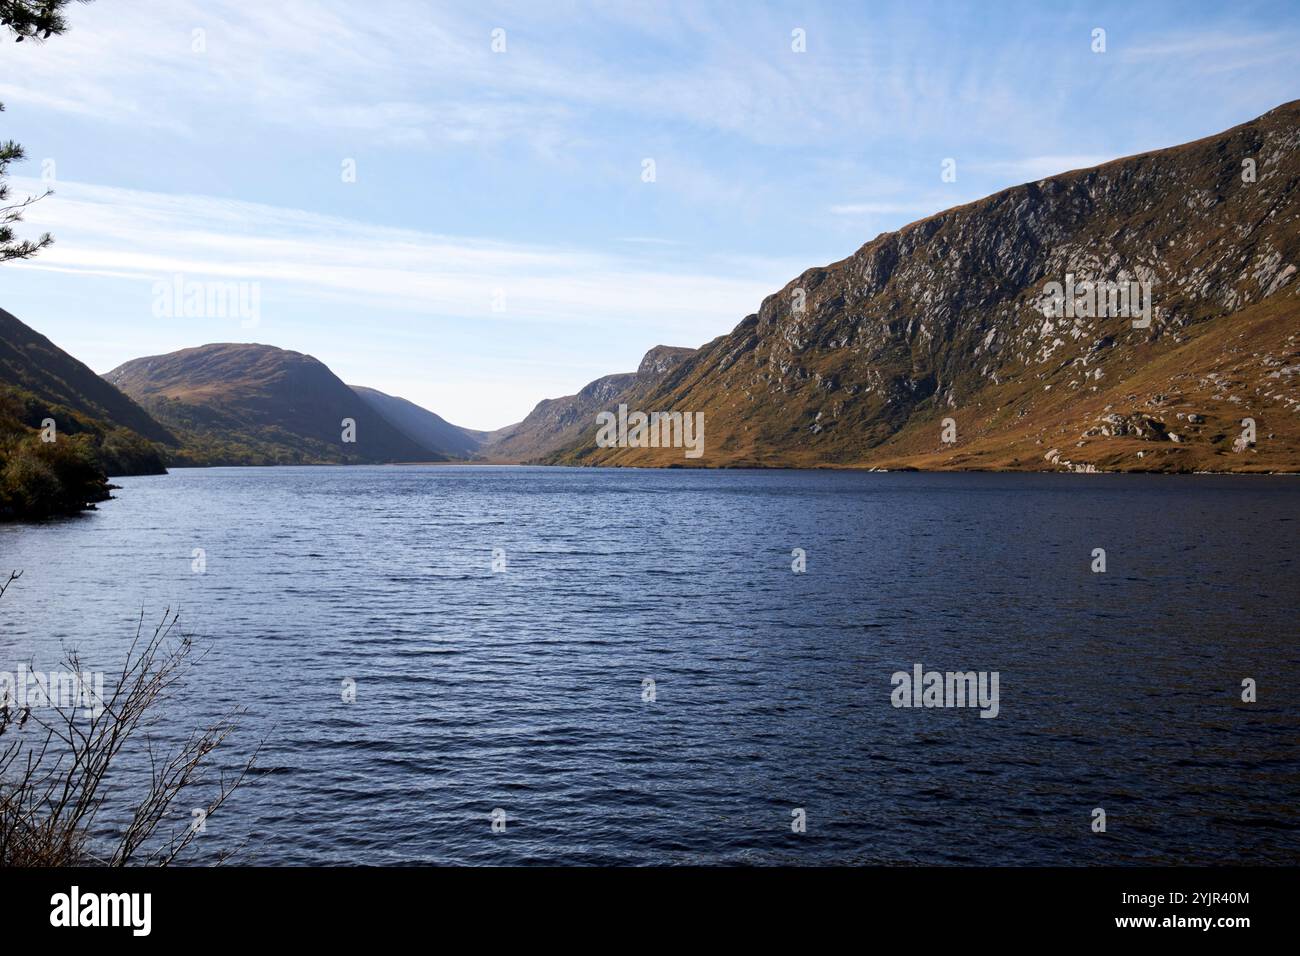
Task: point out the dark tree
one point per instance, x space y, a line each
34 20
12 247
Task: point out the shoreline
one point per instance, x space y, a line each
866 469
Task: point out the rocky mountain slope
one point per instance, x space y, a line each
422 426
234 404
945 344
557 422
38 380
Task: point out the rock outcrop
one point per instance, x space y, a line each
961 317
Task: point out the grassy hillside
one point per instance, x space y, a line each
859 363
558 422
33 364
238 404
422 426
40 381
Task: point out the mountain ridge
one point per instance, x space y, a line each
859 362
427 428
40 381
939 345
30 361
252 404
554 422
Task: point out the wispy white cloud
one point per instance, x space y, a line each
303 256
412 72
407 311
1211 43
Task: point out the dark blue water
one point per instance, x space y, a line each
522 690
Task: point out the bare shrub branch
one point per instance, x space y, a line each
54 773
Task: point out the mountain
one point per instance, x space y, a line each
422 426
39 380
234 404
557 422
976 325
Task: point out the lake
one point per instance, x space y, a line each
526 688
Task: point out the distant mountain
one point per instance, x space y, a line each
39 380
557 422
972 340
235 404
422 426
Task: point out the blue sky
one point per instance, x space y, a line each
499 244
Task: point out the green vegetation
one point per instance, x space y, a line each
44 479
213 437
99 431
248 404
117 450
62 471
